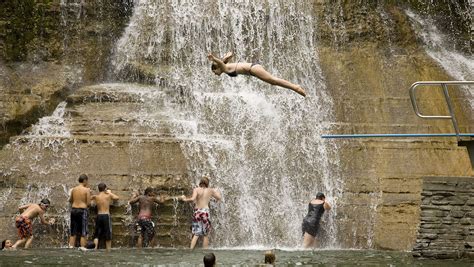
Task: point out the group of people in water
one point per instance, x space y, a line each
80 198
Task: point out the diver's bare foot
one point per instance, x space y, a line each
300 91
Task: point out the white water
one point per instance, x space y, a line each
438 46
259 144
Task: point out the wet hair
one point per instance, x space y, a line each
83 178
204 182
148 190
320 196
269 257
3 244
45 201
209 260
102 187
214 66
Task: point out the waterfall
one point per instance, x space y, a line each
259 144
439 47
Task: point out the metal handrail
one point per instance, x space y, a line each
444 85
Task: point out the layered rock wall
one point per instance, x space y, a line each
447 216
98 133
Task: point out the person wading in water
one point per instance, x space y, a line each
310 225
201 225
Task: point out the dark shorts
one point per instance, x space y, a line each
146 228
103 227
310 228
79 220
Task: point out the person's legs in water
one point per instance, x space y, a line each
194 241
108 244
140 241
308 240
25 231
205 242
19 242
72 241
259 72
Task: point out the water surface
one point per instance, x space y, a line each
180 257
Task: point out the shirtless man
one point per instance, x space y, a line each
103 223
80 199
24 222
145 225
201 223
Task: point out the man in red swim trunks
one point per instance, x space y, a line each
24 222
201 197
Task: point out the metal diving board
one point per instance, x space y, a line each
341 136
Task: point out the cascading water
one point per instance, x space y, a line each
260 144
441 49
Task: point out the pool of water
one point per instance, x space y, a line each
181 257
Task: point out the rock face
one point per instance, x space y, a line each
369 55
446 218
99 132
50 48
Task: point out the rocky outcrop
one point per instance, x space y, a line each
100 132
447 212
47 50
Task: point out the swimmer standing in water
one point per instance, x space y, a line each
201 225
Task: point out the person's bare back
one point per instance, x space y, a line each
146 205
204 195
80 197
103 201
32 211
201 225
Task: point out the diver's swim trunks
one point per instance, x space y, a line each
146 228
79 220
103 227
201 223
24 226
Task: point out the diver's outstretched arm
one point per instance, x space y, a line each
219 63
228 56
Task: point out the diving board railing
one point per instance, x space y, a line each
447 98
412 91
